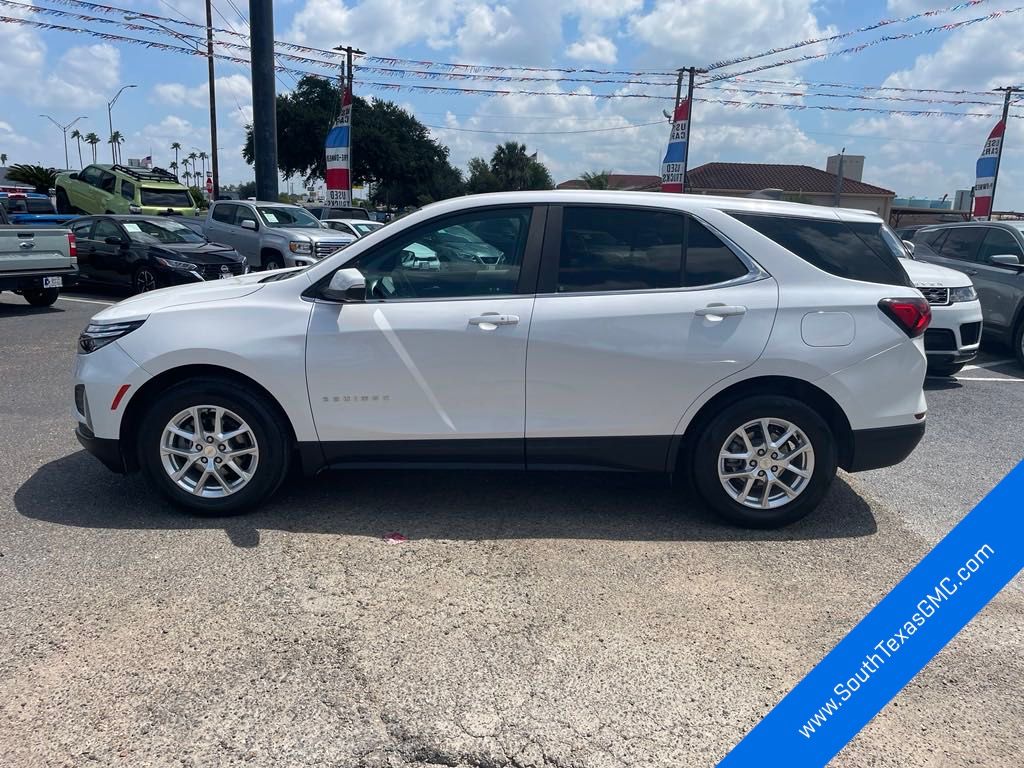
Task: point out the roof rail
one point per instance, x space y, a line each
146 174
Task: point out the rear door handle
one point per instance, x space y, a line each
488 321
721 310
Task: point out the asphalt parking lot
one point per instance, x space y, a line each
529 620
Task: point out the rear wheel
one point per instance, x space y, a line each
214 446
764 462
41 297
63 204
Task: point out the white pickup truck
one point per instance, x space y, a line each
36 261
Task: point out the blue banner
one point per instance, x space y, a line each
896 639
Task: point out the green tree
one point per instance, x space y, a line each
511 169
39 177
116 140
481 179
3 158
247 190
596 179
391 149
77 136
92 140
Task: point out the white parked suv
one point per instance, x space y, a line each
954 335
750 345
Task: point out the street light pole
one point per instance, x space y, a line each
110 119
64 130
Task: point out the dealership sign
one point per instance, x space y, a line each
337 146
673 167
987 166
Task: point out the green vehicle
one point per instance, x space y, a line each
105 189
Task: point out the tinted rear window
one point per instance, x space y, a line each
170 198
852 249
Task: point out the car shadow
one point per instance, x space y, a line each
24 308
429 504
939 383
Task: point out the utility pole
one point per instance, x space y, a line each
673 159
1008 92
64 130
213 102
264 98
839 179
689 121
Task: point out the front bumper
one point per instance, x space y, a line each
954 334
877 448
107 450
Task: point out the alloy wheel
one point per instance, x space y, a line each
209 451
766 463
145 281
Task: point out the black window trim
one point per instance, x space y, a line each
528 270
945 240
548 277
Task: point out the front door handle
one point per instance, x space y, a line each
712 311
488 321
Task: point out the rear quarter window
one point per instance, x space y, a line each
854 250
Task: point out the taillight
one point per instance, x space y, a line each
911 315
72 246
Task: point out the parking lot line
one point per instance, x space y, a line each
86 301
989 364
990 378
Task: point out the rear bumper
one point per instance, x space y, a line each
27 281
106 450
883 447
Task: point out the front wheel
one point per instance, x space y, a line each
214 446
273 262
145 280
63 204
764 462
41 297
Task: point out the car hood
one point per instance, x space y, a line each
315 235
923 274
145 304
200 253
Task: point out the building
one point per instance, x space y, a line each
623 182
796 183
853 166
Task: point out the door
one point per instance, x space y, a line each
638 312
1000 286
220 225
431 367
84 194
82 230
105 194
109 259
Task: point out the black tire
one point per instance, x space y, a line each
144 280
945 369
1018 342
273 262
710 442
41 297
63 204
271 433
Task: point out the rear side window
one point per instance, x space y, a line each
225 214
999 242
708 260
854 250
128 190
82 229
962 243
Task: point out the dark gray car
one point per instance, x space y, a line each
992 253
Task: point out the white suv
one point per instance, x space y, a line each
752 346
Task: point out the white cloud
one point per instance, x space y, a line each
376 25
596 48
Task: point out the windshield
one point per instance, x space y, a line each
365 227
293 218
164 232
166 198
895 243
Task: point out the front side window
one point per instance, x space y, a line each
107 181
91 176
128 190
609 249
224 213
106 228
166 198
275 217
856 250
962 243
999 242
82 228
474 254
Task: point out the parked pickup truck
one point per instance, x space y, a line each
32 208
272 235
36 262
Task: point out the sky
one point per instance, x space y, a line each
66 75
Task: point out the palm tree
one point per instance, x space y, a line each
176 146
203 156
596 179
116 140
3 158
184 162
174 169
92 140
77 136
511 165
39 177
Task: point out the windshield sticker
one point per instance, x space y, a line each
131 226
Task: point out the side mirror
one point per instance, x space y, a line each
248 224
909 246
1005 260
347 285
73 175
114 241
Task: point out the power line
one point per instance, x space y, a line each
547 133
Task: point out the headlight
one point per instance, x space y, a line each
967 293
97 335
185 266
297 246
